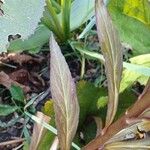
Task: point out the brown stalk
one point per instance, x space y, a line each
136 110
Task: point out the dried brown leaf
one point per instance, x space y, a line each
19 58
112 51
64 95
129 145
38 131
6 81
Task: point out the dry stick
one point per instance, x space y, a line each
140 105
11 142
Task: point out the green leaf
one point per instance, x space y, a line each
81 11
132 31
64 96
134 67
17 93
138 9
112 52
88 96
102 102
66 9
39 131
48 138
129 77
47 126
7 109
33 43
20 17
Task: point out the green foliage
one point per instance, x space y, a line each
126 99
88 96
132 31
102 102
17 93
20 17
129 76
81 11
33 44
138 9
7 109
48 138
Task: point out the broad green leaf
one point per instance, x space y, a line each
17 93
7 109
20 17
88 96
33 43
138 9
64 95
129 76
112 52
81 11
132 31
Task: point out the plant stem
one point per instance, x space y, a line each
82 66
56 5
66 7
53 14
133 112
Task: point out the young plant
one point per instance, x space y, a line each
64 95
58 17
135 115
112 52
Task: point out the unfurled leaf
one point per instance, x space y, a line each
130 76
38 131
17 93
7 109
19 18
64 95
112 51
34 43
88 100
128 26
138 9
82 10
